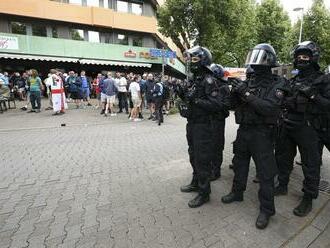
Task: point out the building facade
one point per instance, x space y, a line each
83 34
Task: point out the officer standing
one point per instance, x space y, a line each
218 122
204 104
257 103
308 99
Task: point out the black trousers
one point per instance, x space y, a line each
324 136
200 149
159 109
256 142
122 99
307 140
218 130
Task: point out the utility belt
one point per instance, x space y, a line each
205 119
257 126
296 120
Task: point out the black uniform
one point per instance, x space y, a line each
218 126
257 104
257 116
207 115
303 124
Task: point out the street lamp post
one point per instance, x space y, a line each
301 22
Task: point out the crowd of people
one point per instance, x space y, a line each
127 92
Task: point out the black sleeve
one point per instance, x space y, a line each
218 100
269 106
323 99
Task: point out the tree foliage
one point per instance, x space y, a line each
273 26
229 28
316 27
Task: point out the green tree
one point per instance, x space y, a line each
316 24
273 26
224 26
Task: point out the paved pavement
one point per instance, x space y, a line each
108 182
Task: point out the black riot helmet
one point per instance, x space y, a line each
262 55
217 71
309 48
198 57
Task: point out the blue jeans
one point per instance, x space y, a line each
35 99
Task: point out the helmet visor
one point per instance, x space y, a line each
258 57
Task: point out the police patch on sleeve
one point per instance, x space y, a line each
209 80
279 93
214 93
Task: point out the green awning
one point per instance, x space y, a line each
37 57
112 62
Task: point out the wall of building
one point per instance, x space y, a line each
95 16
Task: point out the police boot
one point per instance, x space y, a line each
304 207
232 197
198 201
280 190
192 187
262 220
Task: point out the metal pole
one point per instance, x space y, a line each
163 62
301 24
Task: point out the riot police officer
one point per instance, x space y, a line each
257 104
218 124
204 105
308 99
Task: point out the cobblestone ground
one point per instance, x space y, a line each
107 182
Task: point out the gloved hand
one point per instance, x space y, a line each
308 91
239 86
191 94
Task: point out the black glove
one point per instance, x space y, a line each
191 94
308 91
239 86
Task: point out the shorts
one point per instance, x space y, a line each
76 95
111 99
21 90
103 97
136 102
85 92
149 99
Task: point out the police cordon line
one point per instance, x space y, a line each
275 117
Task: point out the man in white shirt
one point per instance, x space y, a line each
135 90
122 93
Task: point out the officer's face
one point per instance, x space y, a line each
303 57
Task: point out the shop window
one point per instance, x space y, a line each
61 1
137 8
39 30
18 28
137 41
122 6
94 3
122 39
93 36
106 4
79 2
54 32
77 34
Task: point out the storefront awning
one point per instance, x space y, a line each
37 57
111 62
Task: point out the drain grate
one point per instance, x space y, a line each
324 186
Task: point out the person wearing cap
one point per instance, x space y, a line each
306 105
